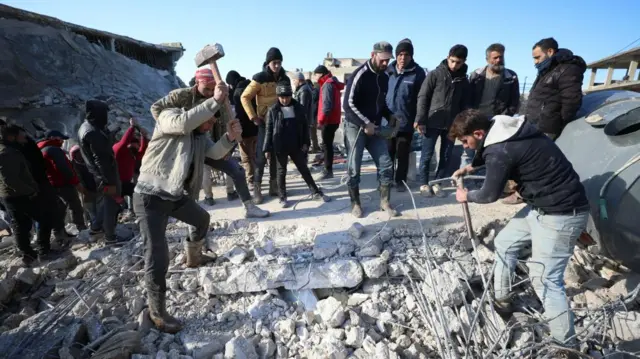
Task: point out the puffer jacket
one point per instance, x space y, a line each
59 169
174 161
442 96
262 88
402 97
96 145
15 176
274 140
556 94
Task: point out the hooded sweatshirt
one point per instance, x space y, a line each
125 157
514 149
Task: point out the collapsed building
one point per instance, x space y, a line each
49 68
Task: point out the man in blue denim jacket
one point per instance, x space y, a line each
512 148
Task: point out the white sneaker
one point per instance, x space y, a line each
437 190
425 190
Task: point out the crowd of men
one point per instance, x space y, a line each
275 118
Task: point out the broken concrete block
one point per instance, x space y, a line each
374 267
266 348
386 233
286 329
240 348
322 250
369 248
62 263
331 311
484 254
339 273
27 275
82 268
356 299
306 297
356 230
236 255
6 289
346 247
121 345
442 286
625 326
355 337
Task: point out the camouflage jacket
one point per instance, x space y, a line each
186 99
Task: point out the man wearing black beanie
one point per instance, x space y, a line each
405 80
263 89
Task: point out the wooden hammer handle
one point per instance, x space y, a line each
218 78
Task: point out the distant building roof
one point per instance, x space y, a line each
617 61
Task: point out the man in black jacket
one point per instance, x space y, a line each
444 94
365 107
20 194
248 146
97 152
556 94
304 96
315 97
288 137
557 211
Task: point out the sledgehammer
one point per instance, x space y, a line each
209 55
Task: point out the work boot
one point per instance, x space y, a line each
158 313
284 203
28 259
62 239
356 209
232 196
253 211
325 175
425 190
273 189
319 196
209 201
437 191
257 194
385 196
195 257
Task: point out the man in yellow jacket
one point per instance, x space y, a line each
263 89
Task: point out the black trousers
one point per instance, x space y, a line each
299 159
153 213
24 210
399 150
328 135
71 201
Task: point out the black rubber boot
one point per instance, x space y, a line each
257 194
158 313
385 196
356 209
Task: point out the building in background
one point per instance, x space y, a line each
627 60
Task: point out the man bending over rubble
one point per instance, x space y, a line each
168 186
188 98
557 211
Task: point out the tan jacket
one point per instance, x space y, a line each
174 146
263 89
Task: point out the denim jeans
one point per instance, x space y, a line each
233 171
377 147
428 148
552 238
106 216
261 159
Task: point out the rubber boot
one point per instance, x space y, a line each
253 211
195 258
385 196
273 189
257 194
356 209
158 313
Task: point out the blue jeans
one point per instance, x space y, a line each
377 147
552 238
428 148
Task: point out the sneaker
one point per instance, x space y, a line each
209 201
325 175
284 203
425 190
319 196
437 191
232 196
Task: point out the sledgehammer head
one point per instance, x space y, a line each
208 54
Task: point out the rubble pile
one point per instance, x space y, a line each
289 292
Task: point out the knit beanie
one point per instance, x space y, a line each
283 89
273 54
321 69
404 45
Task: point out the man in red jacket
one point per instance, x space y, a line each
128 151
62 176
329 114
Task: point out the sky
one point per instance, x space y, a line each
306 30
